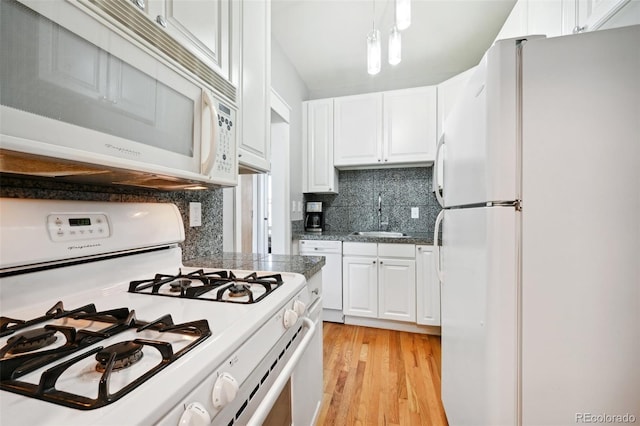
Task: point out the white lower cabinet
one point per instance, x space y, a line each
397 289
379 280
427 287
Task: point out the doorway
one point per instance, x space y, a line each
262 220
280 193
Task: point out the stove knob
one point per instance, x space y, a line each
224 390
299 307
290 318
195 415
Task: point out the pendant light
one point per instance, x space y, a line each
374 49
395 46
403 14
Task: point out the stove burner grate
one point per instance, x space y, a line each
112 358
10 325
238 289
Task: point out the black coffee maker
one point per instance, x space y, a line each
313 219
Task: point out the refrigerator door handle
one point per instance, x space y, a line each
436 246
436 172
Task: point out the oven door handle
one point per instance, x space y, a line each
272 395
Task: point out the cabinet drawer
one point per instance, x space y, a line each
359 249
396 250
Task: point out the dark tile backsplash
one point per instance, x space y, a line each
202 241
355 208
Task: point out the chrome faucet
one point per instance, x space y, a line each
380 222
379 211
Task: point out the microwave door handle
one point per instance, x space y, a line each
262 411
436 172
207 164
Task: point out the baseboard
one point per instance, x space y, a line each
392 325
333 315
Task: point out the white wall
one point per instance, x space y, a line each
288 84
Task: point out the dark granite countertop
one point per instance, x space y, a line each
305 265
413 238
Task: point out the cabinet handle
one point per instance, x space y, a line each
381 262
139 3
379 160
374 262
161 21
386 159
419 248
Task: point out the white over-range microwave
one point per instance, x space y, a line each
95 91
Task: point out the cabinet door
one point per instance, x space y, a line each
397 284
427 287
593 14
201 26
320 174
358 130
409 125
448 93
360 286
254 150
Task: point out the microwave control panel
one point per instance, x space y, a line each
225 165
74 227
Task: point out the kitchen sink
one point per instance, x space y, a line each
380 234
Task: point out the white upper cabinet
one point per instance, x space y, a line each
409 125
385 128
595 14
254 144
319 174
201 26
538 17
448 92
562 17
358 130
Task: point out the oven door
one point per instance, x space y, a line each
77 89
277 406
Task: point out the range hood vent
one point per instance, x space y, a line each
129 16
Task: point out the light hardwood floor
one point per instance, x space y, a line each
380 377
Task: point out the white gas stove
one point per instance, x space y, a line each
101 323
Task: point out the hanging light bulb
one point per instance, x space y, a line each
403 14
374 52
395 46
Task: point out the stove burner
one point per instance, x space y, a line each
31 340
127 353
178 285
239 290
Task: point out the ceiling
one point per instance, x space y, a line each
326 41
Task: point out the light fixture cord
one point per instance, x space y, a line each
374 15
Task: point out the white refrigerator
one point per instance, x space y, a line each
540 254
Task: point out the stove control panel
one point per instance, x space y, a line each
77 227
